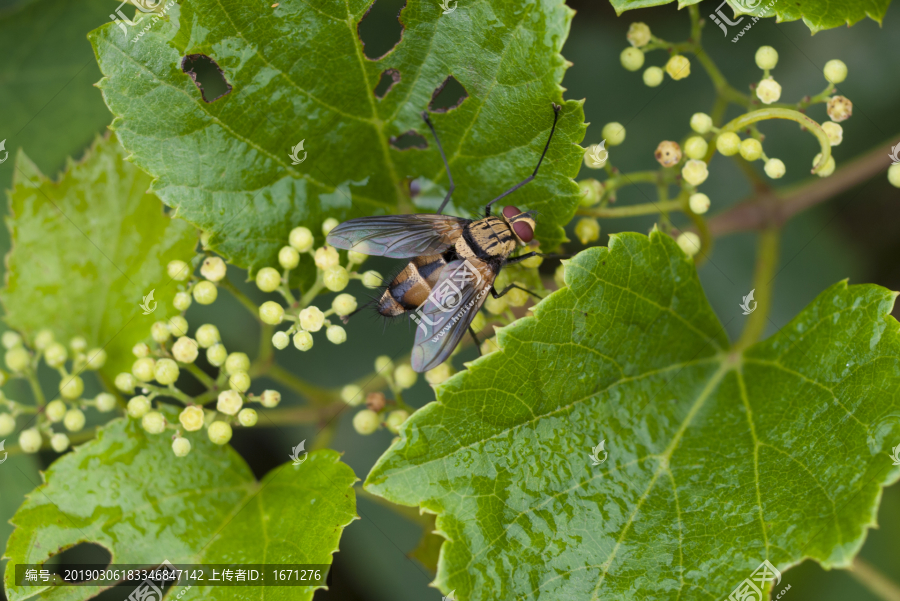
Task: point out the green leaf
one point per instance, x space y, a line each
87 249
126 491
298 72
717 459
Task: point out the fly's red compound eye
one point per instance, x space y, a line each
523 231
510 212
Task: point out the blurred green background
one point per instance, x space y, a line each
50 108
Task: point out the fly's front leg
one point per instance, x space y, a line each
496 294
521 258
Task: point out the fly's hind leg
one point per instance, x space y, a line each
496 294
475 338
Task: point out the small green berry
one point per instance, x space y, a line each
839 108
751 149
829 165
191 418
43 339
699 203
159 331
701 123
372 279
336 334
614 133
74 420
632 59
516 297
312 319
71 387
301 239
689 243
894 175
181 446
695 147
356 258
216 355
384 365
237 362
774 168
271 313
205 292
166 372
30 440
288 257
728 143
178 270
653 76
587 230
55 355
595 156
439 374
219 432
17 359
138 406
213 269
495 306
343 304
638 34
326 257
768 91
239 381
143 369
366 421
351 394
834 132
532 262
270 398
178 325
125 382
105 402
207 335
55 411
668 154
7 424
336 278
11 339
766 57
280 340
140 350
268 279
303 340
591 191
329 224
678 67
395 419
59 442
248 417
229 402
405 377
153 422
835 71
78 344
695 172
182 301
96 358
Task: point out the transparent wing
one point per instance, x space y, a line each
398 236
444 317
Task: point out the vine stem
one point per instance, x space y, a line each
877 583
39 399
241 297
648 208
316 394
201 375
813 126
766 262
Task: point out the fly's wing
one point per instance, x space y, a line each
398 236
444 317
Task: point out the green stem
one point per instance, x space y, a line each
876 582
766 263
738 124
318 395
629 179
241 297
310 294
649 208
39 398
201 375
169 391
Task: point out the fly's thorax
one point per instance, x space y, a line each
488 238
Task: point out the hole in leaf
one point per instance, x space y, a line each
448 95
81 553
408 140
380 29
207 75
389 78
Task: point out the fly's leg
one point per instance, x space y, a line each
496 294
446 165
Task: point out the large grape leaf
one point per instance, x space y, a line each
87 249
298 72
816 14
126 491
717 459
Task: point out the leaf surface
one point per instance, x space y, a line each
717 459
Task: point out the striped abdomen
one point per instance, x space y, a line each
412 286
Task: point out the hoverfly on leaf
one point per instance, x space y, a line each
453 262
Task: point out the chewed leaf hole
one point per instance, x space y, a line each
408 140
448 95
207 75
389 78
380 29
82 553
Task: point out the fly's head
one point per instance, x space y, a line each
521 223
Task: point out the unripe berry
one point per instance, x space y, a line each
695 172
181 446
74 420
667 153
204 239
328 225
532 262
591 191
55 411
728 143
699 203
178 325
178 270
356 257
311 319
288 257
248 417
303 340
159 331
191 418
343 304
271 313
689 243
216 355
894 175
140 350
166 372
71 387
229 402
59 442
695 147
43 339
270 398
587 230
11 340
326 257
638 34
78 344
495 306
829 165
7 424
595 156
478 322
213 269
614 133
105 402
219 432
774 168
384 365
96 358
439 374
280 340
835 71
207 335
678 67
237 362
372 279
138 406
125 382
351 394
701 123
366 421
268 279
766 57
405 377
153 422
182 301
17 359
653 76
632 59
30 440
336 278
205 292
768 91
143 369
301 239
839 108
395 419
239 381
834 132
56 355
336 334
516 297
751 149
